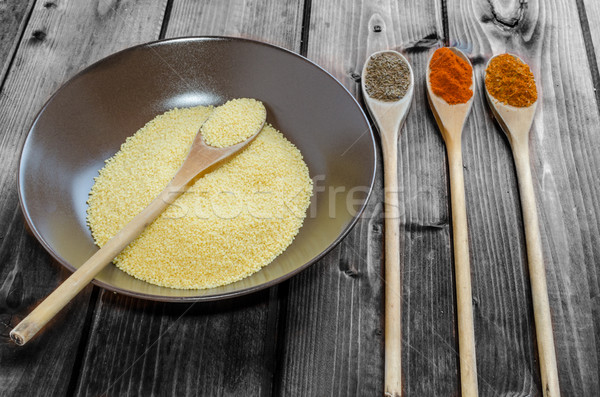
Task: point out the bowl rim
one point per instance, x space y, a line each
205 298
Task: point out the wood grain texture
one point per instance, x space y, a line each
333 343
565 155
225 348
57 42
159 349
269 21
13 18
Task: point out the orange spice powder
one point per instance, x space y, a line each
509 80
450 76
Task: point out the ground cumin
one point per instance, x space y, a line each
509 80
450 76
387 77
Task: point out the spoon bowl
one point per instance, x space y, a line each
202 157
515 122
389 116
450 118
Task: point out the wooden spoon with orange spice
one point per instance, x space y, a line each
450 93
512 95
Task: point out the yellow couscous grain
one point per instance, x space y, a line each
233 122
228 225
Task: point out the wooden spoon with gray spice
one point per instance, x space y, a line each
387 86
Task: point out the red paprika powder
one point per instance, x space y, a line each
450 76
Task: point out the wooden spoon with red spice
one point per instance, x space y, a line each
516 123
450 94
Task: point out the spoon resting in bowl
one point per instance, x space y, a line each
200 159
516 123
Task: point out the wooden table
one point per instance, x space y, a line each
321 333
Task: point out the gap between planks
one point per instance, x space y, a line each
17 40
589 49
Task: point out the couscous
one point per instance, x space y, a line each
228 225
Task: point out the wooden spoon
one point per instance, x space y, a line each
450 120
200 158
516 124
389 117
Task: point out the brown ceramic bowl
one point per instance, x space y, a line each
87 120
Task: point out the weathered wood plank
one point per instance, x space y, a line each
565 150
269 21
178 349
224 348
591 15
57 42
13 18
334 323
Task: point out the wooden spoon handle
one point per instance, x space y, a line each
58 299
466 333
537 273
393 290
